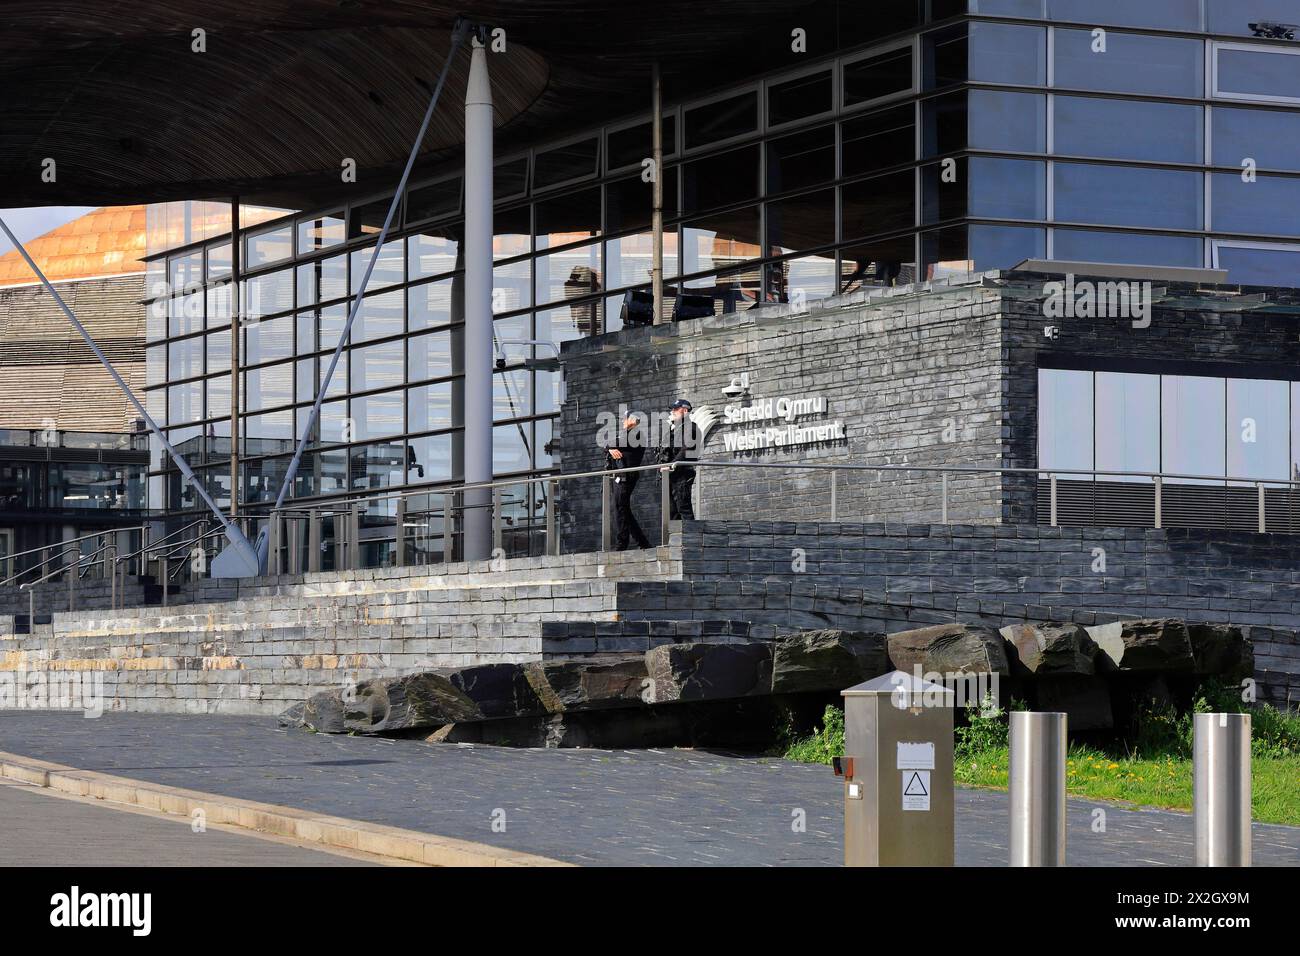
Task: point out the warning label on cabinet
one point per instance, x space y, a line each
916 790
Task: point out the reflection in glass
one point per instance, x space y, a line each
1080 245
1128 424
512 394
429 407
570 218
564 163
1128 196
874 206
512 232
721 240
512 448
1257 266
1265 206
1259 426
374 416
803 222
434 253
1065 433
430 356
886 262
1161 14
806 158
380 316
1270 137
267 341
1163 66
1002 247
878 141
1192 413
722 119
434 304
881 75
390 267
321 232
1262 73
1015 122
628 259
429 458
377 366
512 286
1005 53
720 180
569 274
433 201
266 387
800 98
1127 129
633 145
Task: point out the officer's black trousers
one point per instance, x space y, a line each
626 526
680 483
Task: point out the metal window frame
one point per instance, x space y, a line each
597 136
756 88
829 67
910 43
1216 46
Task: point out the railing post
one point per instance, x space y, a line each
31 610
1052 499
295 543
1037 787
496 520
313 540
606 529
665 506
1159 503
448 534
943 487
399 547
73 573
162 563
1263 522
110 557
274 536
340 540
1221 789
354 536
835 489
552 496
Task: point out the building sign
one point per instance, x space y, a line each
781 424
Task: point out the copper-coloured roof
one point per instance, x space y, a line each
106 242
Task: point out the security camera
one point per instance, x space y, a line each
1274 31
734 390
501 363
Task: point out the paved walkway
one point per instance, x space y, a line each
41 829
584 806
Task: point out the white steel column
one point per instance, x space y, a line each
477 522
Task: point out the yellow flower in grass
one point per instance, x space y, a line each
1113 766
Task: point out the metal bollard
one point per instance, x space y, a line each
1037 783
1221 789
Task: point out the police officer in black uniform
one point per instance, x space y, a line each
629 453
683 448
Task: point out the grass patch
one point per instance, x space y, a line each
1158 773
1150 782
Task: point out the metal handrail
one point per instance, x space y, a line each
155 545
344 503
87 559
63 545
